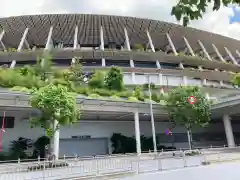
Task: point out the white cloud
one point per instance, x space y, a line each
217 22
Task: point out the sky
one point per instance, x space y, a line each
225 22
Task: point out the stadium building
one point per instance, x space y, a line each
170 54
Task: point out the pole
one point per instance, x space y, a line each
189 139
152 117
2 131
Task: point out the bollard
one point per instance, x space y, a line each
39 159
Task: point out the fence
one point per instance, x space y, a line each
74 167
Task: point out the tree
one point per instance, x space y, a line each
114 79
58 108
76 73
186 114
187 10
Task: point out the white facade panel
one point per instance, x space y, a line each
171 80
195 82
127 78
141 78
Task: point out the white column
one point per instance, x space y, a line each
218 53
137 133
171 44
49 44
150 41
56 140
20 46
102 45
231 56
75 42
152 116
13 63
188 46
1 37
228 130
204 50
158 64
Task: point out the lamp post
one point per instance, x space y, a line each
152 117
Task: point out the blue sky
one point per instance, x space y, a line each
236 16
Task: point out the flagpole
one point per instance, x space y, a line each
152 117
2 131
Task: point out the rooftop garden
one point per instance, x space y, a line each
97 84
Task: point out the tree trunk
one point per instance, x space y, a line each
189 134
54 144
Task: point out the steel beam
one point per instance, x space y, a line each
171 44
49 43
218 53
204 50
188 46
231 56
1 37
20 46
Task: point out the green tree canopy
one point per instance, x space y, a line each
184 113
114 79
187 10
56 104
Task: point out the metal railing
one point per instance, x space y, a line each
75 167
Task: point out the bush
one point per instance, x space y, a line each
103 92
83 90
114 79
133 99
138 93
21 89
115 97
95 96
124 94
97 80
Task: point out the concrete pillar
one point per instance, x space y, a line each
228 130
13 63
137 132
103 62
75 41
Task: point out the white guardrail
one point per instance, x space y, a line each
114 165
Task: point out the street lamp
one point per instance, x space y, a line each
152 117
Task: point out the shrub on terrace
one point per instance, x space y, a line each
114 79
97 80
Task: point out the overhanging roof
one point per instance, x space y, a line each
113 31
16 99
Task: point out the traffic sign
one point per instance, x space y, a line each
192 100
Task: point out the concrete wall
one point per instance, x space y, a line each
227 171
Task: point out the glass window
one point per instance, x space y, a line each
121 63
62 62
165 65
145 64
91 62
22 63
8 122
